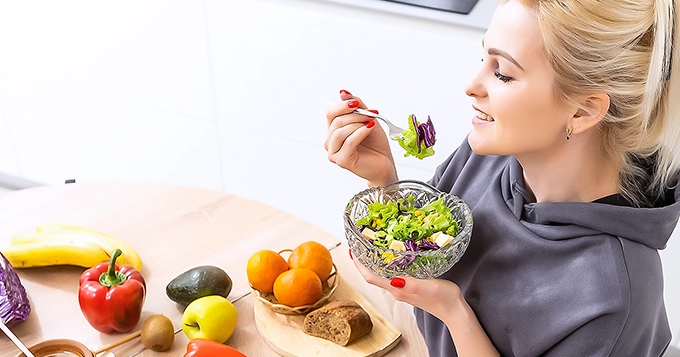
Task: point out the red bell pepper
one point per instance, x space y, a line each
111 296
207 348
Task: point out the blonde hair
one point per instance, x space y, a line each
625 49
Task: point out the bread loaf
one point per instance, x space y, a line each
339 321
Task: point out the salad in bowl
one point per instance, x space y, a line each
407 228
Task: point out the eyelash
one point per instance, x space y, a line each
501 77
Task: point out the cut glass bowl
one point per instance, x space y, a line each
424 264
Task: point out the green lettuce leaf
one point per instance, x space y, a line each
412 143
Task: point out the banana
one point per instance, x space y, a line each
60 232
58 252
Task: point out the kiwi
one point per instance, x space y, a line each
157 333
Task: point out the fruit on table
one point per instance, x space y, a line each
111 296
210 317
14 304
340 321
206 348
157 333
55 252
198 282
64 244
313 256
298 287
263 268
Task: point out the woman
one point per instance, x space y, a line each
571 173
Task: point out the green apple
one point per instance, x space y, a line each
211 317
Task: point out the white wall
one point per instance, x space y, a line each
221 94
226 95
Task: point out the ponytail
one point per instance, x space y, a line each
666 62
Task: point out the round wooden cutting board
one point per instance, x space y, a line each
283 333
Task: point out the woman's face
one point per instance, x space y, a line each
513 93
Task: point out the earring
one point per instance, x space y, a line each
569 131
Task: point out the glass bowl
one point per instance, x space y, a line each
422 264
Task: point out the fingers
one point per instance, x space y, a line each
403 288
370 276
347 137
393 285
342 123
346 106
344 95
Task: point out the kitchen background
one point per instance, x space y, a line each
229 95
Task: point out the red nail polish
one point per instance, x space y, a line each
369 124
398 282
342 91
353 104
350 254
375 111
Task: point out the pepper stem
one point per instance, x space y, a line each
113 277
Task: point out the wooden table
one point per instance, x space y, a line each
173 228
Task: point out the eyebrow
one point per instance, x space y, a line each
498 52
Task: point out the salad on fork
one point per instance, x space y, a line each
418 140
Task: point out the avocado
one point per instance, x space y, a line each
198 282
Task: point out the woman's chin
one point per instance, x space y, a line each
478 144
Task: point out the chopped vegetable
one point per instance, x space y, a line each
419 139
399 225
14 304
207 348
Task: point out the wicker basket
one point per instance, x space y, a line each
269 300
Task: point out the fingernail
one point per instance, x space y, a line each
353 103
350 254
398 282
369 124
342 91
375 111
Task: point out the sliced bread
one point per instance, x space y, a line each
339 321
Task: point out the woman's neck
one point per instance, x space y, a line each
575 171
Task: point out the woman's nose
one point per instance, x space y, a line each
475 87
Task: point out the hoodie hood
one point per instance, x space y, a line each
649 226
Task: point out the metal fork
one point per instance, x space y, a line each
394 132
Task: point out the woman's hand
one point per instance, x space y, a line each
357 143
444 300
432 295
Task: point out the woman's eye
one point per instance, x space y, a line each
503 78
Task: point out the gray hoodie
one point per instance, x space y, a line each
554 279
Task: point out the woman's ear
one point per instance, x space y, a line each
590 111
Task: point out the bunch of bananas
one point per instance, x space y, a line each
65 244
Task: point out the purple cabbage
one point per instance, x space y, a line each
401 262
411 245
420 244
426 245
425 132
428 132
14 304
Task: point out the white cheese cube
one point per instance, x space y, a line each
368 234
397 245
434 237
443 239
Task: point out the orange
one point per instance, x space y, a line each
313 256
298 287
263 268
